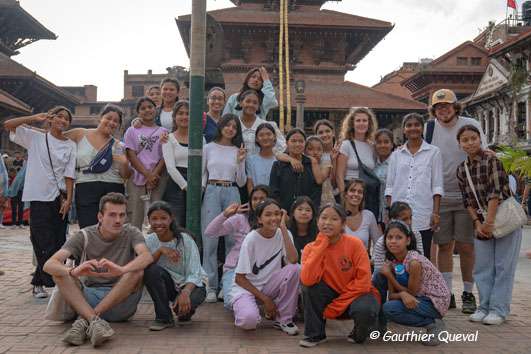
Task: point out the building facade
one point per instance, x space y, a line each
502 101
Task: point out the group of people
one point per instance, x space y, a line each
314 227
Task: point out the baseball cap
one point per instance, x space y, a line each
443 96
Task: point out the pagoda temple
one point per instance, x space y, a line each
23 91
324 46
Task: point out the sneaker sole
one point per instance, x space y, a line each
73 342
303 343
102 339
468 311
277 326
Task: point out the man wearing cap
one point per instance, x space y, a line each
456 227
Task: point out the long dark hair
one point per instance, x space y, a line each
347 187
292 225
245 87
225 120
244 94
175 228
397 208
327 123
264 126
169 80
142 100
400 225
113 108
261 207
251 215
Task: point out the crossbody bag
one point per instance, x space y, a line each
509 216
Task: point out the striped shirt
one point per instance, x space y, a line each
489 179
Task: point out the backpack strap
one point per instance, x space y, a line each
430 127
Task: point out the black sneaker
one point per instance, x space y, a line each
358 334
452 303
310 342
469 303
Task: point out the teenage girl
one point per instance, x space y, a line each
237 220
418 295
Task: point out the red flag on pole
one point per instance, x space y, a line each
511 3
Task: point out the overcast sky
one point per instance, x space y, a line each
98 39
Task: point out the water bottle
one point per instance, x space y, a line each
402 277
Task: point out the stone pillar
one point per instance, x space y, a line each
299 100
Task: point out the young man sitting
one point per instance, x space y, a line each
112 272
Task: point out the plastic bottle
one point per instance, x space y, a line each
402 277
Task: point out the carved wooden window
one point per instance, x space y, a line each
462 61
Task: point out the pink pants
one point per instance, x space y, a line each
282 288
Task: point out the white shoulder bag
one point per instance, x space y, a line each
509 216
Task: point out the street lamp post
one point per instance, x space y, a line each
299 100
195 131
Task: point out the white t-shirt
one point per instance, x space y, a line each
166 121
368 228
452 155
220 162
40 184
259 258
366 152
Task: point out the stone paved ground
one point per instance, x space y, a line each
23 329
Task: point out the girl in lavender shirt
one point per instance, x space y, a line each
237 221
144 152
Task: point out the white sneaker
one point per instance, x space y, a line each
477 316
288 328
211 297
2 226
220 295
493 319
39 292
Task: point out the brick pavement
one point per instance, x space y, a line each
23 330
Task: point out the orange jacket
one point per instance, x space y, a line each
343 266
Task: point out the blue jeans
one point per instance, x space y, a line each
215 200
227 282
421 316
494 270
119 313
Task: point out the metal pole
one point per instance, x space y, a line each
195 130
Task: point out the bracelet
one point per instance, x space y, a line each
487 223
434 214
186 291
